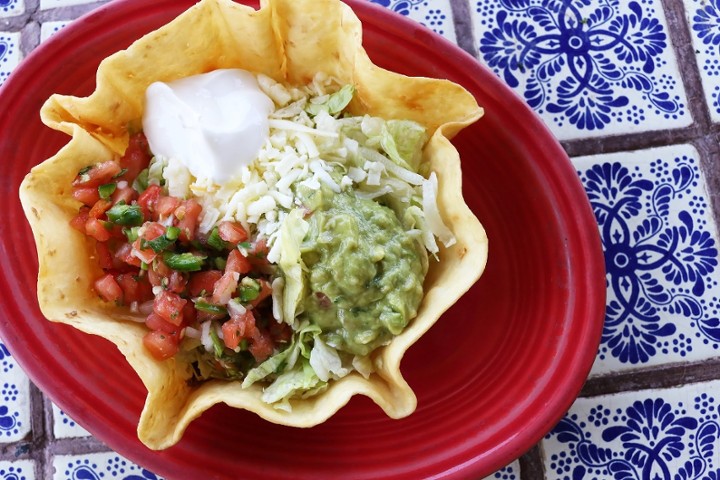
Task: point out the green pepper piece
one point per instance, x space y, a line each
184 262
127 215
203 306
214 240
106 190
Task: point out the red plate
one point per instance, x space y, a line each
492 377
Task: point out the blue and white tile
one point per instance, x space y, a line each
66 427
17 470
671 434
510 472
9 53
97 466
589 68
434 14
704 20
48 4
11 8
14 399
48 29
661 257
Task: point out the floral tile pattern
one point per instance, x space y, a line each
434 14
588 67
9 53
66 427
511 472
669 434
704 20
661 257
14 399
11 8
17 470
97 466
48 29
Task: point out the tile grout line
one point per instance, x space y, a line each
462 21
531 463
652 377
681 40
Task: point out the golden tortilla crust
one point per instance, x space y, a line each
291 41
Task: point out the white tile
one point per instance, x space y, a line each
661 256
66 427
9 54
434 14
47 4
48 29
17 470
656 434
511 472
588 68
704 20
11 8
103 465
14 399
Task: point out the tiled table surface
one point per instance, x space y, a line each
632 89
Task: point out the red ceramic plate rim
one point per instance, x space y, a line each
584 228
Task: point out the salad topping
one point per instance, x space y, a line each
290 268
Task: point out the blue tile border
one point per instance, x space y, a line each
661 257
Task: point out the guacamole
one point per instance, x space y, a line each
364 272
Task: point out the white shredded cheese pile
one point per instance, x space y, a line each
311 151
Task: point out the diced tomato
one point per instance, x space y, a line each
150 231
177 282
280 332
265 292
258 253
203 282
237 262
232 232
87 195
167 205
237 328
124 255
137 156
79 221
100 207
161 345
124 194
104 256
96 229
170 307
261 345
188 214
99 174
189 314
224 288
148 201
135 288
156 322
108 288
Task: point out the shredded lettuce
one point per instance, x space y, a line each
326 362
291 235
333 103
403 141
294 382
285 359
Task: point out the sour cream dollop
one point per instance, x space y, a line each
213 123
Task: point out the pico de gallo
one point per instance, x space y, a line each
185 283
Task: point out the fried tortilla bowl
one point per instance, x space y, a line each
292 40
